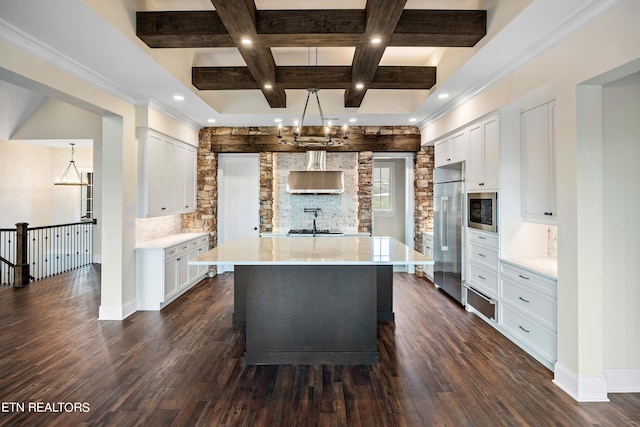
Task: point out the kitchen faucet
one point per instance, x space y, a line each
315 215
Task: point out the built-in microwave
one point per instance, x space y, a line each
482 211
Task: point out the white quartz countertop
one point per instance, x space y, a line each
168 241
346 250
545 266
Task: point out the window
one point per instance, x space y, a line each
383 198
86 198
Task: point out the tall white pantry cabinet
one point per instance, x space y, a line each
537 127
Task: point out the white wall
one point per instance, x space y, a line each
608 42
621 225
27 193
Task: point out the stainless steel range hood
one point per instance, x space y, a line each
316 179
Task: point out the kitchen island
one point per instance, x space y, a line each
310 300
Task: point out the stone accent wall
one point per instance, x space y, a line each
266 192
205 218
423 187
365 191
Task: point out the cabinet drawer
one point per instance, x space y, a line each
529 331
427 244
484 280
171 252
488 239
529 279
484 255
178 250
539 306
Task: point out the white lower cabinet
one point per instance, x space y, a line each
162 270
482 273
528 311
427 250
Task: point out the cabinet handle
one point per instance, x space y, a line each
483 278
482 183
428 247
163 209
482 255
523 277
482 238
523 329
448 160
172 252
522 299
187 207
178 259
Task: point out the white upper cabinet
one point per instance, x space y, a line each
167 171
451 150
538 164
483 163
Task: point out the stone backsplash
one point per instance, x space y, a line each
338 211
156 227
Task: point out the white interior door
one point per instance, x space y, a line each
238 198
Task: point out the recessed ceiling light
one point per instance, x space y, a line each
376 40
211 120
268 86
353 120
277 120
178 97
246 41
443 96
413 119
360 86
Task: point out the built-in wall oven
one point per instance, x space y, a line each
482 211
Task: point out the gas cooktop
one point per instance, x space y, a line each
308 231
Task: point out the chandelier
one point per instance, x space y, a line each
74 177
327 140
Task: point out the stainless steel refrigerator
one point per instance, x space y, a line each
448 192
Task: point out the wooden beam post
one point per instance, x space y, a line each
21 269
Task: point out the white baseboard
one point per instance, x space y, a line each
582 389
97 259
117 312
623 380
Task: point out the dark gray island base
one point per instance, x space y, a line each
312 314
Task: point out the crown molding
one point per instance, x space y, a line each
25 41
582 16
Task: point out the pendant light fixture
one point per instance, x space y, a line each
301 140
71 176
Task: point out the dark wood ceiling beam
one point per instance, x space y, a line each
356 142
321 77
182 29
325 21
389 77
239 18
223 78
311 28
441 28
382 17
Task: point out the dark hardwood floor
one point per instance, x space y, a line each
183 366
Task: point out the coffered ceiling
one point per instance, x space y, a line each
422 42
254 32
